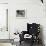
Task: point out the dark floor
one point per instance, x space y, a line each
29 44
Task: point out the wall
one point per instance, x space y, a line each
3 1
3 33
35 12
3 14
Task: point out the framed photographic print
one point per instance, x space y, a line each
20 14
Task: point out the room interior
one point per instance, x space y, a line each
14 16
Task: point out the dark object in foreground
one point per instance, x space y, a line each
33 30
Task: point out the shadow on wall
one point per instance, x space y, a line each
41 34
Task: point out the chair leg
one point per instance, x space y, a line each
20 42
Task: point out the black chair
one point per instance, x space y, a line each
32 29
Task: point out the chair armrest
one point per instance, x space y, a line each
22 35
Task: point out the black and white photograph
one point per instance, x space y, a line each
22 22
20 13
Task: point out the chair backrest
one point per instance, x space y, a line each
33 28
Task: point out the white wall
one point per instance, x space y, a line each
3 21
3 9
3 1
35 12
